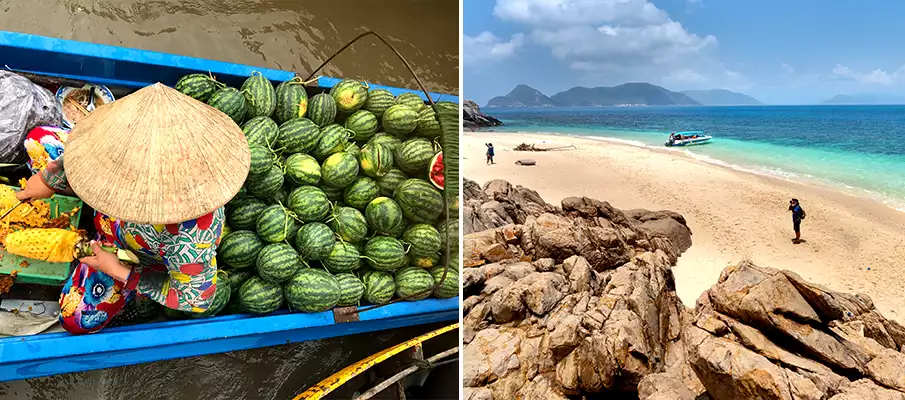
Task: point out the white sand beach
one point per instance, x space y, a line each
853 244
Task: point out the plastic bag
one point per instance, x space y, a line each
23 106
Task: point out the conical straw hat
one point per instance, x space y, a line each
156 156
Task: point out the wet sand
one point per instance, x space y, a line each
853 244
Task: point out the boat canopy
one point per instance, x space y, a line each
690 133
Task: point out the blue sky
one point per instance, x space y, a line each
780 52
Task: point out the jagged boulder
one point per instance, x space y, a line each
473 118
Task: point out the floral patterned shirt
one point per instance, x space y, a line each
178 265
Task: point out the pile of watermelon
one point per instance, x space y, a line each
343 204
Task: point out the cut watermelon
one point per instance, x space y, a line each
435 171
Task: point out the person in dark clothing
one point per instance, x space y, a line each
490 153
798 214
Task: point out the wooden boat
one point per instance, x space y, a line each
59 353
690 138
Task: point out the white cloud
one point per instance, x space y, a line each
875 77
787 68
487 47
685 78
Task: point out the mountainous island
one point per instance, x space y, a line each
629 94
865 99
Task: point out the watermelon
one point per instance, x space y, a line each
266 186
361 192
237 277
322 109
339 170
309 204
349 224
315 241
428 126
384 216
311 290
303 169
333 193
230 102
435 171
414 155
280 197
411 100
379 100
419 200
386 139
298 135
400 120
413 281
277 262
363 123
261 131
449 229
261 160
245 214
259 296
390 181
384 253
333 140
240 248
291 100
350 95
260 98
221 298
274 224
198 86
225 230
379 287
350 289
375 160
343 258
449 288
353 149
424 244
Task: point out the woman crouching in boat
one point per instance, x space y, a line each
157 166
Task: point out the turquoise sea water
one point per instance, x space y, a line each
859 149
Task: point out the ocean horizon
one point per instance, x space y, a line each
858 149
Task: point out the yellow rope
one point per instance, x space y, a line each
336 380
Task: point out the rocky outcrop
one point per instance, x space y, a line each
571 301
473 118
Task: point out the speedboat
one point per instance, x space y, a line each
689 138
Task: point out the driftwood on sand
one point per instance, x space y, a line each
526 161
532 147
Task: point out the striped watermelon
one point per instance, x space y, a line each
379 287
343 258
274 224
311 290
261 131
379 100
280 197
414 155
428 126
350 95
350 289
230 102
353 149
384 253
449 288
413 281
333 193
303 169
237 277
266 186
386 139
411 100
419 200
240 248
309 204
349 224
260 98
277 262
261 160
375 160
400 120
315 241
298 135
322 109
390 181
245 214
361 192
424 244
198 86
384 216
258 296
363 123
291 100
339 170
449 228
332 140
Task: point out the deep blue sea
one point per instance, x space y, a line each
860 149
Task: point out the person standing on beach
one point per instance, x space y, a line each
490 153
798 214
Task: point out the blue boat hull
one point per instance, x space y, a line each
60 353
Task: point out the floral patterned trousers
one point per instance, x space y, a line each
90 299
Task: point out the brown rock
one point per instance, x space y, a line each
495 252
489 357
662 386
